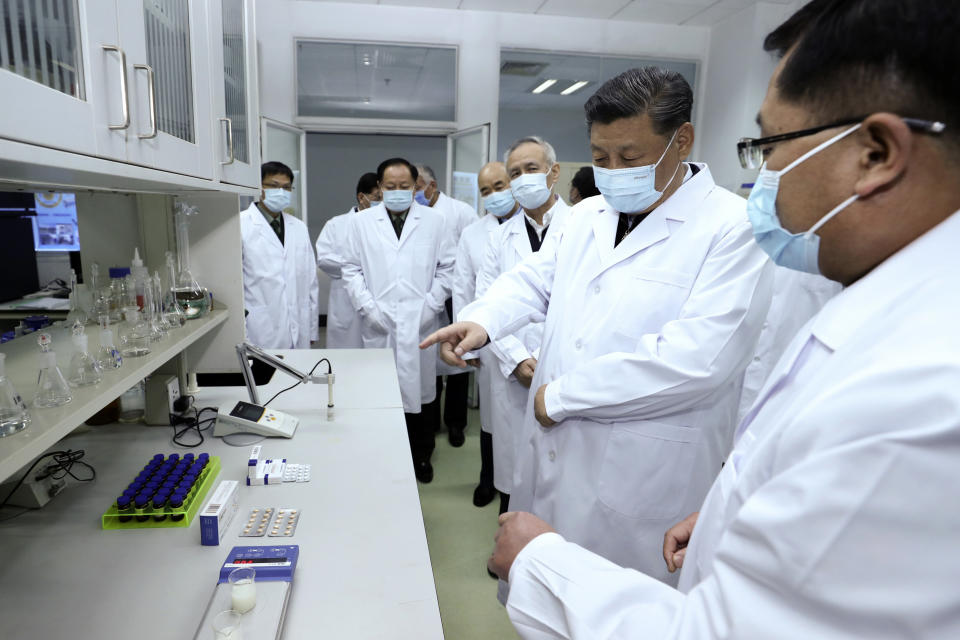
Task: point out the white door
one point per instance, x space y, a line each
167 65
47 91
467 151
288 144
233 67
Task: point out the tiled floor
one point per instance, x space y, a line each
460 537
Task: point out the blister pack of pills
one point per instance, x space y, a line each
296 473
257 523
285 523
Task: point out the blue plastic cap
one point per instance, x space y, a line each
176 501
123 501
119 272
204 456
141 501
188 456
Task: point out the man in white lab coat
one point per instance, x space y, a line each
457 216
343 322
498 201
513 358
653 297
280 291
833 514
398 268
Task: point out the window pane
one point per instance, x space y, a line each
360 80
40 40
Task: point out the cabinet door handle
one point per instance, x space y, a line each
229 139
152 97
125 101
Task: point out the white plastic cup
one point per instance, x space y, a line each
243 589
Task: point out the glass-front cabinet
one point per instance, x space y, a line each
236 136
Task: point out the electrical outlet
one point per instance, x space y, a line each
173 393
163 391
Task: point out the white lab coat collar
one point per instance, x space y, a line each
916 265
684 201
547 217
385 225
263 227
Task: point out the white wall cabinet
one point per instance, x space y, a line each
153 83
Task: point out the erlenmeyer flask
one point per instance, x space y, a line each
52 387
172 311
134 334
108 355
193 298
13 413
84 370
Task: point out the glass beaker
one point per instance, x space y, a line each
84 370
52 387
193 299
14 416
243 589
118 293
133 404
134 334
226 626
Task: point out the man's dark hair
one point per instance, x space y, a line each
665 96
367 183
392 162
851 58
274 169
583 181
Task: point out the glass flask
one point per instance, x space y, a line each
84 370
172 311
76 313
14 416
52 387
190 295
108 355
134 334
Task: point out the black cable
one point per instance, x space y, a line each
299 382
63 462
191 423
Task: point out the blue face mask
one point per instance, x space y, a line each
276 199
421 197
634 189
398 200
798 251
499 203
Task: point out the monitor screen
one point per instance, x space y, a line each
55 225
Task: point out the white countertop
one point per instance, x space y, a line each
364 568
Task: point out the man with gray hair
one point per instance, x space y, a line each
457 216
652 298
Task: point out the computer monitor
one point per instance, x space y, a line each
55 223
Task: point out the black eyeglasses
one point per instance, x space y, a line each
751 150
277 185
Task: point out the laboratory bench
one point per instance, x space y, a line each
364 568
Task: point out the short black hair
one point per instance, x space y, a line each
583 181
392 162
367 183
663 95
851 58
274 169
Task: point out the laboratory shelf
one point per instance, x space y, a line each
48 426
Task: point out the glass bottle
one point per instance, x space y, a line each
134 334
14 416
192 297
133 404
84 370
150 316
108 355
172 311
52 387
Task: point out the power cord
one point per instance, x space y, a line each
185 424
61 466
299 382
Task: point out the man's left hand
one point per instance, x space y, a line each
517 529
540 407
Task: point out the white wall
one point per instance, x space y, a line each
478 34
736 82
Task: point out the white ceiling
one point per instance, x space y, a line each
687 12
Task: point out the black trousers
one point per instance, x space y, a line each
486 459
420 434
455 400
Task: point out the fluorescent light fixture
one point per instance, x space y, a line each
543 86
576 86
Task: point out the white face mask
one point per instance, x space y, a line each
276 199
531 190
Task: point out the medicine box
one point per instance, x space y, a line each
216 517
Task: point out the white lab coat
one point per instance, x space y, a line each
644 350
797 297
280 289
509 247
470 251
457 215
343 322
399 287
833 514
